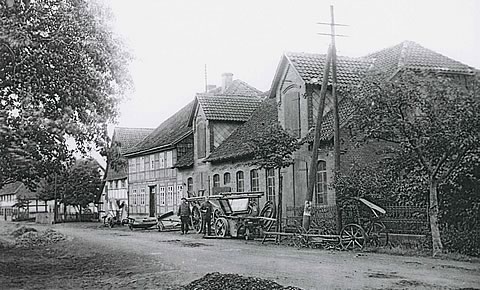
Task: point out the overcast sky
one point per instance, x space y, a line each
173 40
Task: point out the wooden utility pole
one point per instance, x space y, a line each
331 59
312 172
336 118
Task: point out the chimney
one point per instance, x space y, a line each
226 80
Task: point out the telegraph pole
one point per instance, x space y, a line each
331 59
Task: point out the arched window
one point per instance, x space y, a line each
254 180
271 184
216 180
226 178
240 182
321 185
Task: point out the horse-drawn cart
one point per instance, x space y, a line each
235 214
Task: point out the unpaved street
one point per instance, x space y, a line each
149 259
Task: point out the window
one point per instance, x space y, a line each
124 183
179 193
201 139
137 164
142 196
321 185
169 159
162 195
134 197
190 186
254 180
162 160
226 178
292 113
147 163
170 195
216 180
271 184
116 184
240 182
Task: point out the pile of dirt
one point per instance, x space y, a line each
22 230
34 238
233 281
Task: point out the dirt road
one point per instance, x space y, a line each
167 260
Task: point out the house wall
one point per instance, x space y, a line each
295 177
153 175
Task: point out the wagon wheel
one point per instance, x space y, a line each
268 210
196 220
378 235
160 226
352 236
111 222
221 227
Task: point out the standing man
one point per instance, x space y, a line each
206 209
184 214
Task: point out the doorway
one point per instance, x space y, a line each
152 203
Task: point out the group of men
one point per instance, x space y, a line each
184 212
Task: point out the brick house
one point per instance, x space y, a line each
214 117
116 187
293 101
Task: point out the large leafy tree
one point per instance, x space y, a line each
62 73
79 185
433 122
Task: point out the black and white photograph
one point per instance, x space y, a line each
240 145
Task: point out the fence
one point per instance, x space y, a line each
323 219
398 219
76 217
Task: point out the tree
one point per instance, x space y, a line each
273 148
62 74
80 185
433 124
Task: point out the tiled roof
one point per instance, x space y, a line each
228 108
125 138
236 145
19 189
186 160
237 88
345 111
129 137
171 131
409 54
310 67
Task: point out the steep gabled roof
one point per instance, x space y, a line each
228 108
411 55
310 66
169 133
236 145
19 189
237 88
126 138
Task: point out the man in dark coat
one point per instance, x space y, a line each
206 209
184 214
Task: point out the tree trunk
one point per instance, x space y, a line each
433 214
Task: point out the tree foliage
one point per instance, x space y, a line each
273 148
62 74
79 185
432 122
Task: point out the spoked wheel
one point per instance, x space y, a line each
196 220
352 237
160 226
221 227
268 210
378 235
